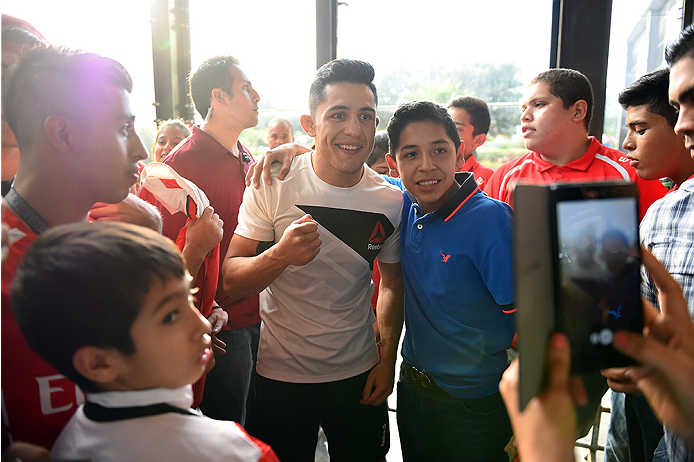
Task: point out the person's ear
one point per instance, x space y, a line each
378 121
61 133
478 140
392 166
460 156
308 123
96 364
580 110
219 96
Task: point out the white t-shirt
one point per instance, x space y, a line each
317 318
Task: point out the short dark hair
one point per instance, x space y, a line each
340 71
420 111
380 148
478 110
213 73
84 284
682 47
56 80
570 86
651 90
20 36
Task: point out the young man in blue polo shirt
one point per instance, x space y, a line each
458 296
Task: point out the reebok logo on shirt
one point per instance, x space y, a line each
363 232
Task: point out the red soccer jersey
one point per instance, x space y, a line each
37 400
482 173
598 163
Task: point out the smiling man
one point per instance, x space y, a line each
307 244
557 108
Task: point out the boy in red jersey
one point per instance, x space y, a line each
556 109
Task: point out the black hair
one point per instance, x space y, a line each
682 47
570 86
651 90
380 148
56 80
420 111
215 72
340 71
478 110
84 284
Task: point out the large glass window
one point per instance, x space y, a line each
640 31
275 41
439 49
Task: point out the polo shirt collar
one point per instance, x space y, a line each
468 187
469 164
180 397
580 164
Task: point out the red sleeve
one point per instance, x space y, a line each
649 192
493 184
268 455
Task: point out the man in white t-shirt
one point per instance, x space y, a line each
307 245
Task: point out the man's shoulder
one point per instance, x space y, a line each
495 212
19 238
528 157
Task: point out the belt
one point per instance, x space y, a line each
423 380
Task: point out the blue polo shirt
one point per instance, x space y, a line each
458 275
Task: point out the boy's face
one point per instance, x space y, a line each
463 122
344 127
655 150
681 94
545 122
381 166
426 158
171 338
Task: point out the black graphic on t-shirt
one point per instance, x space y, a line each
364 232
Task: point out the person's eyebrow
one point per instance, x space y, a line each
634 123
169 298
433 143
686 94
342 107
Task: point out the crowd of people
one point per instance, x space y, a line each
231 318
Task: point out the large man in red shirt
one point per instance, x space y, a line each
556 109
70 113
214 159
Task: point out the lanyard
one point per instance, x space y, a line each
24 212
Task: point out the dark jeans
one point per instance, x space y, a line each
287 417
433 426
227 386
635 434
